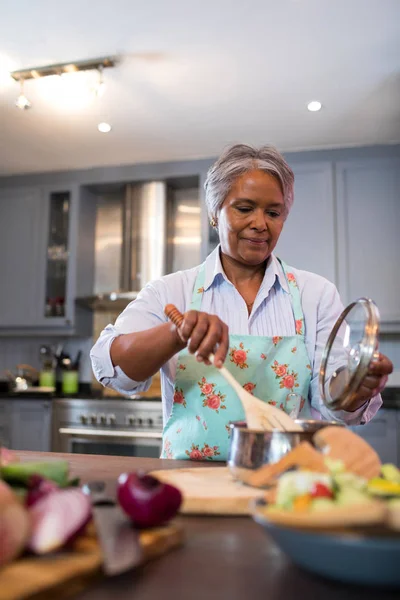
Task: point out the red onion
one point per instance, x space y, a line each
38 487
57 518
146 500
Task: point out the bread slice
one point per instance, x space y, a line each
356 454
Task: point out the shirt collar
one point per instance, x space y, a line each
273 272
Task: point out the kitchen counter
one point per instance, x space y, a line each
223 558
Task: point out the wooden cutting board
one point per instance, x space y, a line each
211 491
67 573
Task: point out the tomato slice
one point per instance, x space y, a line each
320 490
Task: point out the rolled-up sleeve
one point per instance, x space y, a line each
143 313
329 309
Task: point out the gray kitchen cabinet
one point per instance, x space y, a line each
22 230
308 236
368 216
5 424
31 425
382 434
48 250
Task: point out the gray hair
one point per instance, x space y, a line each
239 159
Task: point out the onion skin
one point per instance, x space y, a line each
147 501
38 487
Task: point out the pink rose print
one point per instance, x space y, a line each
210 451
308 367
179 430
198 418
207 389
289 381
282 407
228 429
272 402
291 279
302 402
263 356
213 402
276 339
294 349
249 387
179 398
280 370
239 357
167 449
205 425
182 367
194 453
299 326
200 290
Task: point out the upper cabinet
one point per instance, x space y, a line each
39 232
307 240
368 223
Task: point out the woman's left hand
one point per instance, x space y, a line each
374 381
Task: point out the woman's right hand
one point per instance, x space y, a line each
205 334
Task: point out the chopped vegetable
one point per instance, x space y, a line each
320 490
382 487
57 519
302 503
38 487
146 500
20 473
391 473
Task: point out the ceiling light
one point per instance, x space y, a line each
22 101
314 106
100 86
104 127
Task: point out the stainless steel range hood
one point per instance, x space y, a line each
130 244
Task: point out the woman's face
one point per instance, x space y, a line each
251 218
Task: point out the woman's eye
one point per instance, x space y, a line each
273 214
244 209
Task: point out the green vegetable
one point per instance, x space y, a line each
349 496
321 504
349 481
19 473
391 473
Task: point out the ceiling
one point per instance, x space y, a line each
199 74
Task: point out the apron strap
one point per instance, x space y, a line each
296 299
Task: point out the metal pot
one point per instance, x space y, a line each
250 448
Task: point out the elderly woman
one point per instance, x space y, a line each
267 322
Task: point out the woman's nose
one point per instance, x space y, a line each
259 221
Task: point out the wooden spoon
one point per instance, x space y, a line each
259 414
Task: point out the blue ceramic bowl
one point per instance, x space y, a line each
345 557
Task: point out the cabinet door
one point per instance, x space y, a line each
381 434
31 425
368 195
308 237
4 424
22 229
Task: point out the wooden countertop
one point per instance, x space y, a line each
223 558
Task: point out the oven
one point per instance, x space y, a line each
110 427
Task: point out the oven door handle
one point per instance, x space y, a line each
156 435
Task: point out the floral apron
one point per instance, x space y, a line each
276 370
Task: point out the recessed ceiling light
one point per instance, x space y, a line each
314 106
104 127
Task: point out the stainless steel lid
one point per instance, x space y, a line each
351 347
